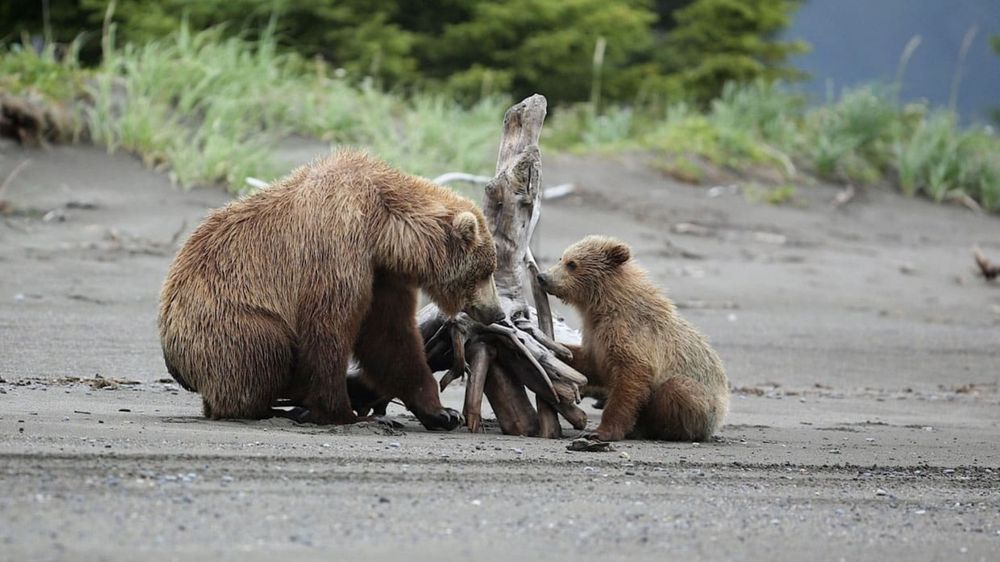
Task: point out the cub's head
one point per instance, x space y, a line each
584 269
465 281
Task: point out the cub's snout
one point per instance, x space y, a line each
545 281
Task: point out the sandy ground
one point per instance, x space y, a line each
863 351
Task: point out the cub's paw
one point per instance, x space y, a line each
444 419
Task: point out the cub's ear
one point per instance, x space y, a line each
617 254
466 227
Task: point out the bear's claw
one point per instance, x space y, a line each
444 419
297 414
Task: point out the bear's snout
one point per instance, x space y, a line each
544 279
484 307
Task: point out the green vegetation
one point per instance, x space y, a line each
211 109
23 69
211 106
778 195
656 50
862 137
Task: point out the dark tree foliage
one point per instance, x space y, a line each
664 48
718 41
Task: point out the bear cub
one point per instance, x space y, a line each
663 381
273 294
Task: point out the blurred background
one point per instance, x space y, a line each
894 92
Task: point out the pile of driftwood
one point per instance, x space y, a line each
31 120
505 360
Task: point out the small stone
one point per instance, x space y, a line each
624 455
880 492
394 445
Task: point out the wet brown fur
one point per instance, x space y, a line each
663 379
271 295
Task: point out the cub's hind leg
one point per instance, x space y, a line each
681 409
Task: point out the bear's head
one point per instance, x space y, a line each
584 269
464 282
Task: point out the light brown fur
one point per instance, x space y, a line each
663 379
271 295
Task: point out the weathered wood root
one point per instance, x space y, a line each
473 410
510 403
519 354
31 120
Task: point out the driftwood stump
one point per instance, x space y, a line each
506 359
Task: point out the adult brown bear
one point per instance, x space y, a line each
663 380
271 295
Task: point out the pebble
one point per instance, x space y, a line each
624 455
394 445
880 492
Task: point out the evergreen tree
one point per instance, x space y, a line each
654 48
718 41
544 45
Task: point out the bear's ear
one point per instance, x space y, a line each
617 254
466 227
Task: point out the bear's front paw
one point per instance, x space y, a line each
604 434
444 419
